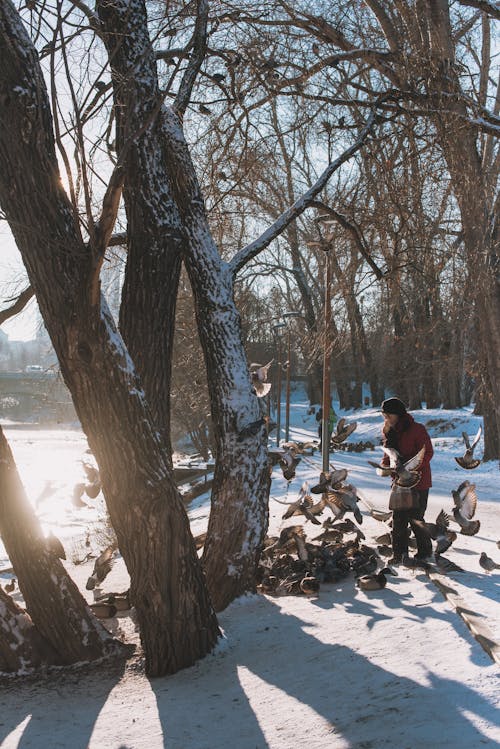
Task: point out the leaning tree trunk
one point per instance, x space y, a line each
54 603
176 619
239 510
154 234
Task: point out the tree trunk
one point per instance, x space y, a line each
21 646
239 512
176 619
54 603
154 234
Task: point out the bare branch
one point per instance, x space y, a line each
199 43
19 304
254 248
355 233
489 7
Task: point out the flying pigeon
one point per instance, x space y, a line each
406 474
438 531
467 460
343 431
258 376
465 499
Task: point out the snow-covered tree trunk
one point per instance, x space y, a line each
154 234
54 603
240 494
238 519
176 619
21 646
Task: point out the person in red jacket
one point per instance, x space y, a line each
403 433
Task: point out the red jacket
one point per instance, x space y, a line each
410 437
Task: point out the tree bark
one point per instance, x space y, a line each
21 646
176 619
154 234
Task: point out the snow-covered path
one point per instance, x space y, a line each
396 668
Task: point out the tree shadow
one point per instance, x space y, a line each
63 705
365 704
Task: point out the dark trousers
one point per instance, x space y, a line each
400 530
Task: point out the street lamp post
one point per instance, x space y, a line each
276 329
325 435
288 315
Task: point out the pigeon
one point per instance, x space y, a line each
253 429
93 485
438 531
346 499
382 470
487 563
465 499
54 546
258 376
381 515
330 481
309 585
376 581
467 460
9 588
103 610
302 506
446 565
406 474
76 499
385 539
102 567
289 462
343 431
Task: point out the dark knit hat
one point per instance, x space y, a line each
393 406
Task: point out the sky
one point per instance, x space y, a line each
22 327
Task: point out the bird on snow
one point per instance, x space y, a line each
54 546
258 376
467 460
93 485
406 473
330 481
465 499
343 431
487 563
76 499
446 565
376 581
438 531
102 567
103 610
309 585
10 585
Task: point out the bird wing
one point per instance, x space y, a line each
336 476
340 425
465 438
261 388
443 520
304 490
416 461
393 456
469 502
476 438
335 505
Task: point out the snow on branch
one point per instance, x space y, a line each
199 42
489 7
254 248
19 304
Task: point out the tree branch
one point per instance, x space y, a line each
254 248
489 7
199 43
19 304
355 232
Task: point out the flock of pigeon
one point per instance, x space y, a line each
292 564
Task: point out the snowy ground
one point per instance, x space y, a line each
396 668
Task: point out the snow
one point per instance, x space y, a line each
396 668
